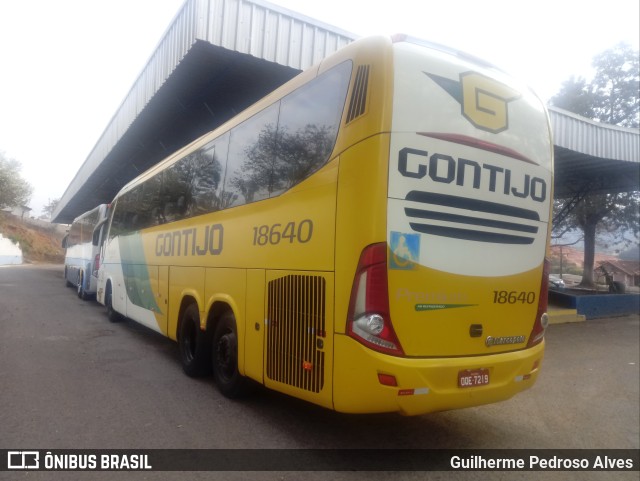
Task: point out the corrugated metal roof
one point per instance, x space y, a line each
593 157
268 31
175 44
255 28
586 136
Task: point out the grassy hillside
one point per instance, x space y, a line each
37 244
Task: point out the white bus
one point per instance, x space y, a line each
82 245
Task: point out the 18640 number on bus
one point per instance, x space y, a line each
276 233
514 297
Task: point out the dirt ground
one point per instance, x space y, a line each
39 245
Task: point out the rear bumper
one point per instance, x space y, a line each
425 385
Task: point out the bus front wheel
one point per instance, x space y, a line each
225 358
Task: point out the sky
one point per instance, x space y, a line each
67 65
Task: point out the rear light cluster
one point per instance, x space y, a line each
542 318
96 264
368 320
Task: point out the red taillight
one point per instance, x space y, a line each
96 263
542 318
368 320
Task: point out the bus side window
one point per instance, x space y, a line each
308 125
88 224
75 234
149 204
117 220
250 173
208 175
288 141
175 190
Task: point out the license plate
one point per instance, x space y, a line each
473 377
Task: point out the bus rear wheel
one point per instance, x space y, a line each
225 358
82 294
195 349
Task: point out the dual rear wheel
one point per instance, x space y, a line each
212 351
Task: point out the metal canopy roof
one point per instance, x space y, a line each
220 56
216 58
210 86
591 156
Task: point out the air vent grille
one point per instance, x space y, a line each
358 103
296 331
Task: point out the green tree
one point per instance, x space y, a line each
14 190
616 86
612 97
575 96
613 214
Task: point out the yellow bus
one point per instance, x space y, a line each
370 237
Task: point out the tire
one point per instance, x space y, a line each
195 348
225 359
112 315
68 283
82 294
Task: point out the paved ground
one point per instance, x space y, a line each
70 379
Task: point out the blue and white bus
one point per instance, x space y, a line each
82 245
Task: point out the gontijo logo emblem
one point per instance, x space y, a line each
484 101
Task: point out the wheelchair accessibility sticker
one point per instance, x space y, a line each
405 250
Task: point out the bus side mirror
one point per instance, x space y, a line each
64 241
